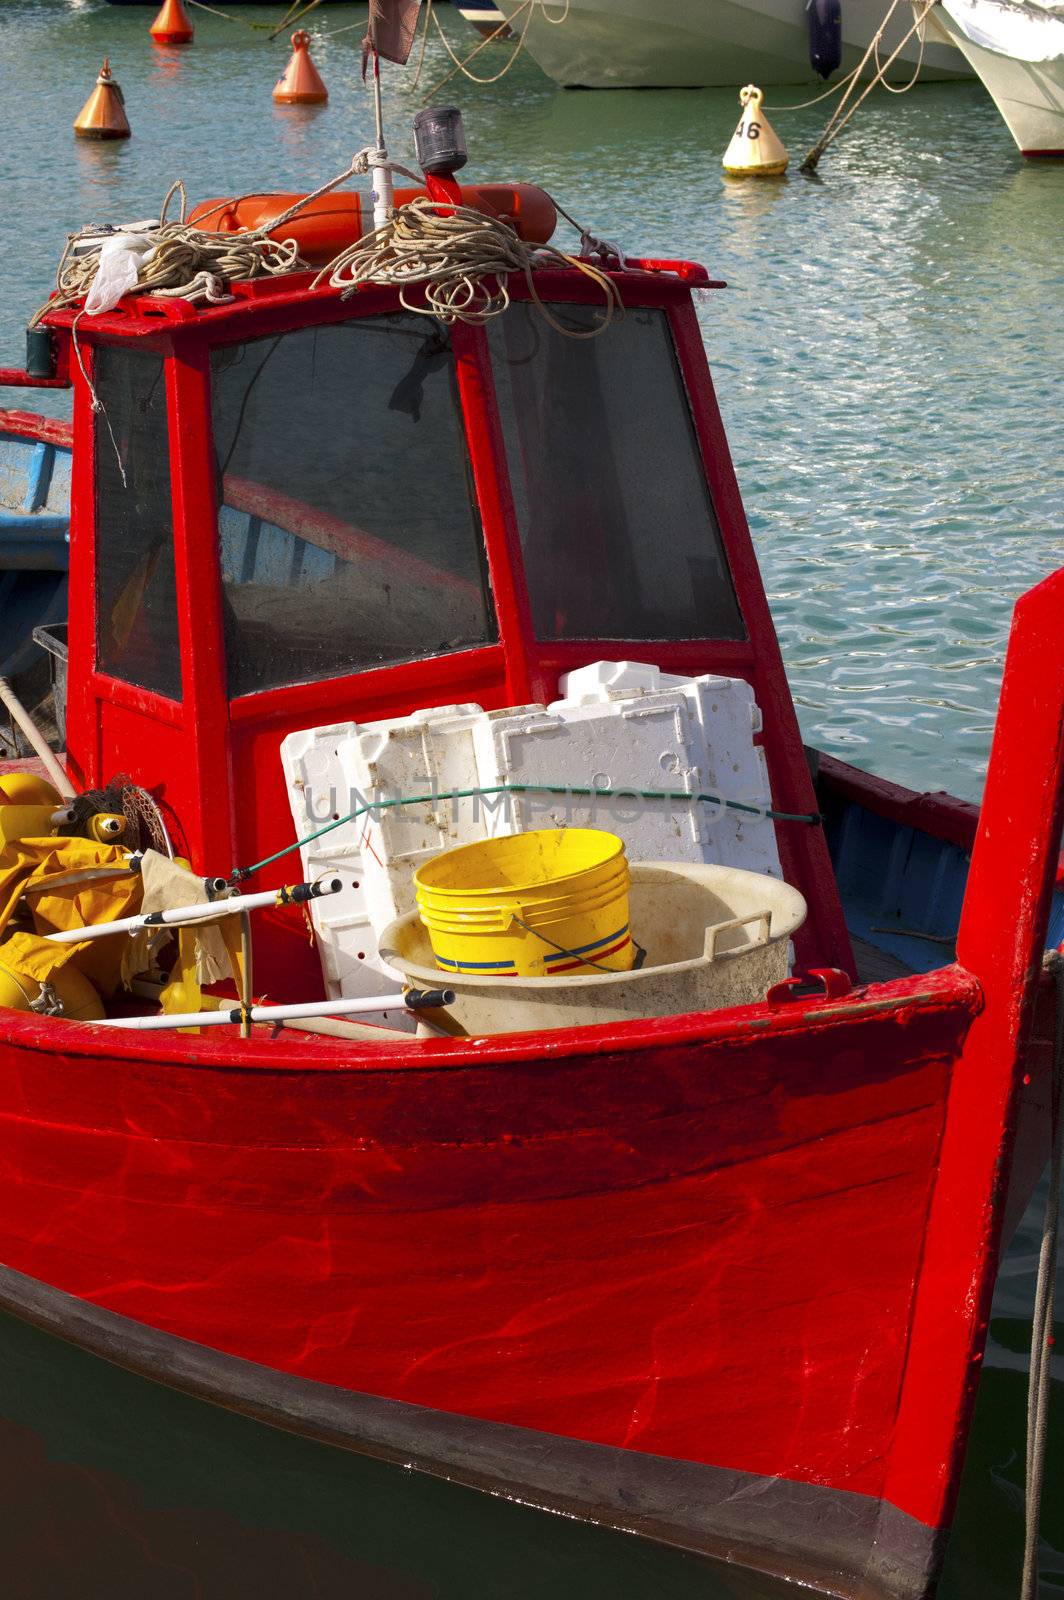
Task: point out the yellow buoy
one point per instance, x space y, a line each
72 994
755 151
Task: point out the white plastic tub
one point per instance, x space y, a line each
713 936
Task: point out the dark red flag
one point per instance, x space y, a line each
392 26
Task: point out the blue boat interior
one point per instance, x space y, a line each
34 549
902 890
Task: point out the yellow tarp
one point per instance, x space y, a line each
70 883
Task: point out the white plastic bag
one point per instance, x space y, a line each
121 257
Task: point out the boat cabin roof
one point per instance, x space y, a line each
293 509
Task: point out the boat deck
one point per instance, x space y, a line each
877 966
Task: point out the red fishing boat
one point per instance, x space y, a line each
720 1279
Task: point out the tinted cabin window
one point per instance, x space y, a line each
619 535
348 526
136 597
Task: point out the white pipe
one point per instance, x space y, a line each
301 1008
383 189
37 740
208 911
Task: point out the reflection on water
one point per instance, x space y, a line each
114 1487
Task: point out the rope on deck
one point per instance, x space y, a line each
459 259
184 262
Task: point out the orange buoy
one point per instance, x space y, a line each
172 26
300 83
103 115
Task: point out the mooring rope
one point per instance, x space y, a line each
803 105
257 27
530 7
294 14
1039 1381
837 121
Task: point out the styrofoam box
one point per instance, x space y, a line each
326 781
619 725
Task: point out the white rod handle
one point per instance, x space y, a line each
189 916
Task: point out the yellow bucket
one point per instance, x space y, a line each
531 904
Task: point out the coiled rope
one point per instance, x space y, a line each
459 259
457 256
185 262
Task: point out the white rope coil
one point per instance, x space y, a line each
185 262
459 259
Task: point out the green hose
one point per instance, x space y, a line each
811 819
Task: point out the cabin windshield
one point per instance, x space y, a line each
348 526
136 593
618 532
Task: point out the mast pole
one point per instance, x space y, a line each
383 196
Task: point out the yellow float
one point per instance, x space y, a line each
755 151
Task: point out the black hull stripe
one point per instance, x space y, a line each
838 1544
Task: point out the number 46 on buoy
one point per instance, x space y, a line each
755 151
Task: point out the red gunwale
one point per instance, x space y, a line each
28 425
312 1053
936 812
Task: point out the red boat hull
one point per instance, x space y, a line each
724 1277
698 1251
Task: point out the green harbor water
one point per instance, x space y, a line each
887 356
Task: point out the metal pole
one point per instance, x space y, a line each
380 172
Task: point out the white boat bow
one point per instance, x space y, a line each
1017 48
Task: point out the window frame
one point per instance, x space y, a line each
124 690
701 460
206 755
483 573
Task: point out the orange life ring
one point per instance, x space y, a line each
334 221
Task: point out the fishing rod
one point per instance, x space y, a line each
412 1000
206 911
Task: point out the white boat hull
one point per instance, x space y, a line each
637 44
1029 94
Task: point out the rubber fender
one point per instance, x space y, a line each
825 36
27 789
76 994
